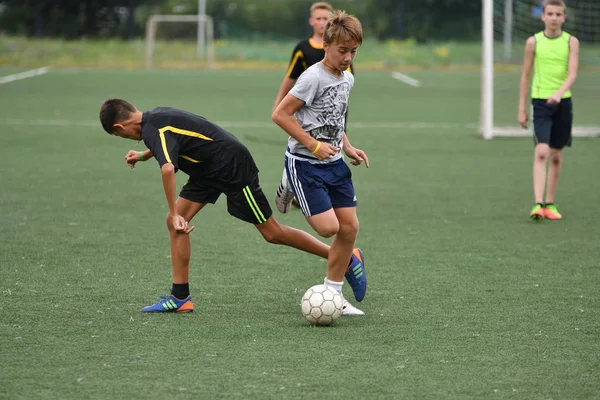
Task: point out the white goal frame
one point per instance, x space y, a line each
203 21
486 123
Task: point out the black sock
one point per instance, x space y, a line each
181 290
541 204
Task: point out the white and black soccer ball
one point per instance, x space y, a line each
321 305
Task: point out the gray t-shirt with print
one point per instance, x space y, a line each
323 114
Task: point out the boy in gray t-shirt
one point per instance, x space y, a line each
312 114
325 98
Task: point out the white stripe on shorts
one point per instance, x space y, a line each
298 186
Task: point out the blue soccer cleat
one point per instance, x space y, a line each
356 275
171 304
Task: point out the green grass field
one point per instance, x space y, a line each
253 54
467 298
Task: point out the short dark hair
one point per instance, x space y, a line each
113 111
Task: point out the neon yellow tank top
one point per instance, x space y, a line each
550 65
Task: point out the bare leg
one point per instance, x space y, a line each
275 233
180 242
343 243
539 171
554 170
343 225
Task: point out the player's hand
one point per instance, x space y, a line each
357 156
554 99
325 150
180 224
132 157
523 119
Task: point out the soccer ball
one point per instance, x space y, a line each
321 305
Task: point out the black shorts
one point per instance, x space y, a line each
245 198
553 123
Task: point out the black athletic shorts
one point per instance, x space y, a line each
553 123
239 182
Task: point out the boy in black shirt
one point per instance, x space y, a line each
216 163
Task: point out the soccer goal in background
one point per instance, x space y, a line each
506 26
205 33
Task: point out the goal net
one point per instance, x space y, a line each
506 26
172 31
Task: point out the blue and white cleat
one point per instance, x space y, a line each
356 275
171 304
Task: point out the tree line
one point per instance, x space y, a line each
382 19
423 20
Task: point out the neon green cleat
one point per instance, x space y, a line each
537 213
551 212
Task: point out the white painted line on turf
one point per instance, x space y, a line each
24 75
406 79
253 124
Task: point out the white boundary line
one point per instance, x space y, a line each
406 79
498 132
24 75
253 124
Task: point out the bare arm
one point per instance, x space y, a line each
167 172
357 155
180 225
132 157
284 117
525 79
147 154
286 85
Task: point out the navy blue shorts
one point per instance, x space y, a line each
553 123
320 187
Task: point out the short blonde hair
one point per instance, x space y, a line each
559 3
321 5
342 27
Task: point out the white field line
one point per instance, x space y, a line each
498 131
253 124
24 75
406 79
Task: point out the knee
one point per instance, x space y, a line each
541 156
328 230
273 236
170 226
350 229
556 159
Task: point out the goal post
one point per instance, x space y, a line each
506 25
487 71
205 21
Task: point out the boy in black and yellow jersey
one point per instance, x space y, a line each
308 51
554 57
216 163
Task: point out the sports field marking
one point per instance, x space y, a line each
24 75
406 79
254 124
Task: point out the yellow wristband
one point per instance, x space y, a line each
142 156
317 148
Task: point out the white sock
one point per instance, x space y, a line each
334 285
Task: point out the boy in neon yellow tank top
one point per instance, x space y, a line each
554 57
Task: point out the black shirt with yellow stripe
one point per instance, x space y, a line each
191 143
306 53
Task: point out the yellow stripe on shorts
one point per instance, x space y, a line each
253 206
